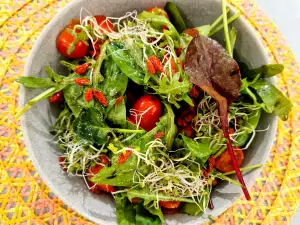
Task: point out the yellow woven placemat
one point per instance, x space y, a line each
25 199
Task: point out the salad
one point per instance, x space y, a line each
154 113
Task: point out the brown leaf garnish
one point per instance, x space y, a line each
211 68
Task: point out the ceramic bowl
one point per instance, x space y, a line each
37 122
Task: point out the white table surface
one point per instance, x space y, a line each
286 15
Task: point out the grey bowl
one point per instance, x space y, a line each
37 122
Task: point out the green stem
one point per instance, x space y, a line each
218 20
119 130
43 95
224 177
97 77
220 27
247 168
220 151
226 31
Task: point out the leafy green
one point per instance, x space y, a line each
71 94
193 209
35 82
117 174
126 62
171 127
129 214
273 99
97 76
117 115
115 82
201 150
53 75
264 71
90 126
147 195
158 21
175 17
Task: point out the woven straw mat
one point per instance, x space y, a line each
25 199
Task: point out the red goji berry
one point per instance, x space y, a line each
173 66
118 101
81 69
189 131
159 134
104 159
205 174
62 162
150 66
100 97
106 188
156 63
135 200
189 117
164 27
194 93
181 123
231 130
211 164
178 51
57 97
124 157
94 53
88 96
192 32
82 81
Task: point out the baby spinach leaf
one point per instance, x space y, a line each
91 127
171 127
54 76
147 195
154 209
273 98
136 52
175 16
115 82
126 62
193 209
130 214
200 150
35 82
149 136
71 94
117 114
117 174
265 71
158 21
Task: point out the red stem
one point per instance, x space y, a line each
223 111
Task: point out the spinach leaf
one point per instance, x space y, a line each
35 82
129 214
149 136
136 52
265 71
175 16
171 127
90 126
273 99
71 94
154 209
117 174
147 195
158 21
201 150
115 82
126 62
193 209
117 114
54 76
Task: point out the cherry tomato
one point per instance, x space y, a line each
223 162
170 211
104 23
62 162
158 11
150 108
64 41
169 204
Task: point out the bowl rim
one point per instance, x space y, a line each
54 188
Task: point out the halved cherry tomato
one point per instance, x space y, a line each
223 162
148 108
192 32
158 11
169 204
65 39
104 23
170 211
